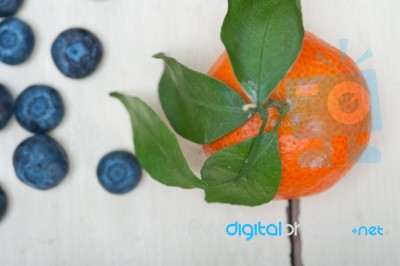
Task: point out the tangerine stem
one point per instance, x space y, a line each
283 109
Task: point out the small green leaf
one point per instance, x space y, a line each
199 108
248 173
263 39
156 146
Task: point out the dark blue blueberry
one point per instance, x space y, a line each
119 172
40 162
16 41
77 53
39 109
9 7
3 202
6 106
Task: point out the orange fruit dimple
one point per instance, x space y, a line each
328 124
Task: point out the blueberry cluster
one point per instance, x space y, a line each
76 52
40 161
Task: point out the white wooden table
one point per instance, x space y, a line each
78 223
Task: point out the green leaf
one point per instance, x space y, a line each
248 173
263 39
199 108
156 146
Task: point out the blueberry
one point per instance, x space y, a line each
40 162
77 53
16 41
9 7
119 172
39 109
3 203
6 106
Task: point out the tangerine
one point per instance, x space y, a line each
328 123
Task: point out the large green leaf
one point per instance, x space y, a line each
199 108
157 148
263 39
248 173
